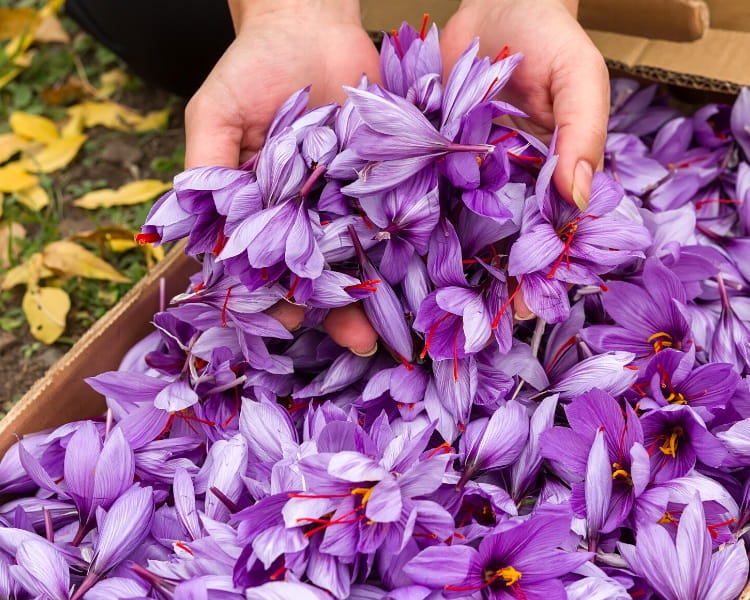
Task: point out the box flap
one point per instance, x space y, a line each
677 20
717 62
730 14
61 395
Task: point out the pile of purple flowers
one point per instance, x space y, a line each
598 451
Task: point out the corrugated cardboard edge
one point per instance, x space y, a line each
717 62
61 395
678 20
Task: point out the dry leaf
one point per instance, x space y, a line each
15 21
9 248
10 144
34 198
22 275
154 120
111 81
75 125
131 193
46 309
33 127
14 178
69 259
64 93
116 116
55 155
51 30
121 239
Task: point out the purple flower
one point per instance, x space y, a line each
675 436
686 567
572 245
648 319
517 560
120 531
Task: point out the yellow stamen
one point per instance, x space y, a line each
667 517
676 398
660 340
619 473
509 575
669 447
480 160
365 492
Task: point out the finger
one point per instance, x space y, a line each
580 101
289 315
211 137
348 327
521 310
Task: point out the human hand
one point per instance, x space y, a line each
281 46
562 80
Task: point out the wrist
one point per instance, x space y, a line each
246 12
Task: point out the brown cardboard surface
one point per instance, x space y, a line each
384 15
677 20
717 62
61 395
730 14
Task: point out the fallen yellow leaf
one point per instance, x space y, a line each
15 21
13 178
22 274
51 30
75 125
34 198
121 239
154 120
55 155
10 143
10 233
69 259
111 81
33 127
46 309
131 193
116 116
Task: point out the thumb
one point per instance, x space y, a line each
580 103
211 138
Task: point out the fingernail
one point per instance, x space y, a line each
582 184
528 317
366 354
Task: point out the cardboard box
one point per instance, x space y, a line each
61 395
717 60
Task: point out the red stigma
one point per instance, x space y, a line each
504 53
423 30
444 448
714 526
403 361
397 43
182 546
502 138
236 410
700 204
221 239
522 157
560 352
147 238
224 308
567 234
369 285
489 89
431 334
506 304
290 293
199 287
277 573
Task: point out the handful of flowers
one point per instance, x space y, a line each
600 450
